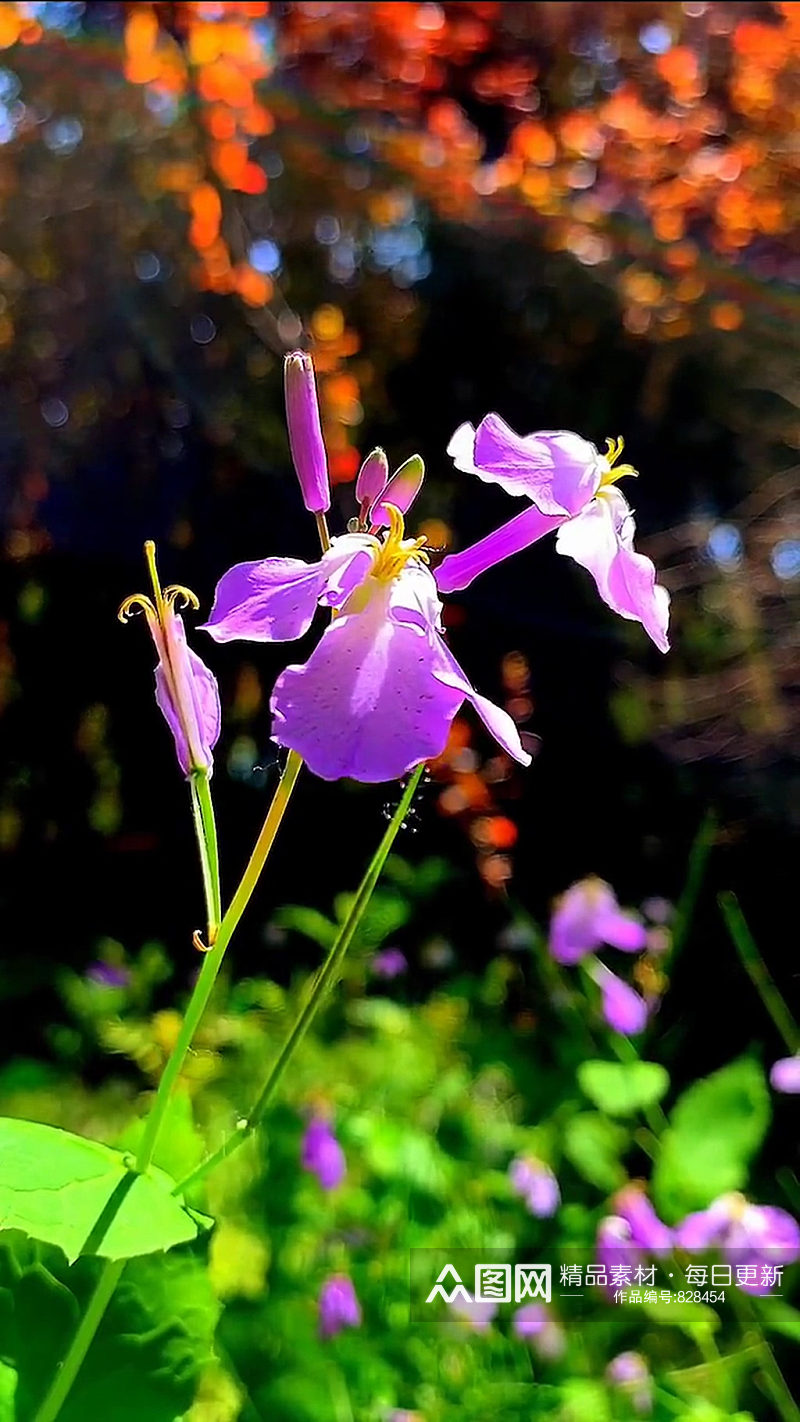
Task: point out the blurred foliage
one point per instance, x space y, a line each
431 1099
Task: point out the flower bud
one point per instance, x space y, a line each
305 431
401 490
371 481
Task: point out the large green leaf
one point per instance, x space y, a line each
715 1130
8 1386
147 1357
622 1088
84 1197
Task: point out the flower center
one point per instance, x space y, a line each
396 550
609 474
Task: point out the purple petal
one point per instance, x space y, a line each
601 540
623 1009
647 1230
338 1306
785 1075
274 600
704 1228
529 1320
496 720
556 469
458 570
586 917
389 963
188 697
401 491
305 431
771 1233
322 1154
367 703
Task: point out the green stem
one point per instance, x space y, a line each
212 960
699 855
774 1381
62 1383
757 970
326 975
205 829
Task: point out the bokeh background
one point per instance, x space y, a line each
580 216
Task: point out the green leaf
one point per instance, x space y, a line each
594 1145
180 1145
308 921
715 1130
385 913
622 1089
150 1349
8 1387
83 1196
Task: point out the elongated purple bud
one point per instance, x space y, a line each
305 431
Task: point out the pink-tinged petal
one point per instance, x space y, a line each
401 491
647 1230
305 431
366 704
588 916
372 478
497 721
558 470
623 1009
771 1233
704 1228
274 600
338 1306
458 570
601 540
785 1076
188 697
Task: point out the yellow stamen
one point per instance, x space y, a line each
396 550
614 448
174 598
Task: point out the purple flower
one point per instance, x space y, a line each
533 1324
305 431
571 490
751 1237
338 1306
107 975
588 916
624 1010
785 1076
630 1372
633 1231
389 963
186 691
648 1232
379 692
477 1312
536 1184
322 1154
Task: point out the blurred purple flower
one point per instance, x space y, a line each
571 490
533 1324
536 1184
588 916
379 692
477 1312
186 691
624 1010
322 1154
107 975
648 1232
785 1075
338 1306
630 1372
389 963
746 1235
305 431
